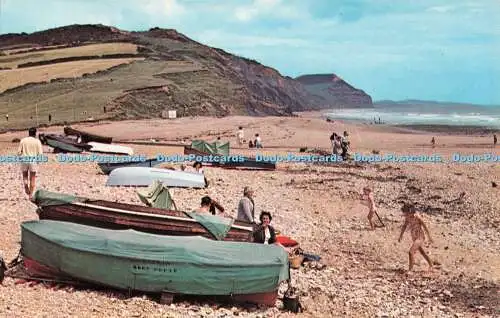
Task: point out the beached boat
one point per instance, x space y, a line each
171 265
246 162
87 137
114 215
110 149
107 167
62 143
143 177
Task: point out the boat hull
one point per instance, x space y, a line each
108 167
143 177
247 163
37 270
121 216
87 137
129 260
110 149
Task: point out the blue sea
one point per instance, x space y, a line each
423 114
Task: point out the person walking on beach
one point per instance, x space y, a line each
345 145
495 140
433 142
258 141
417 228
337 145
7 117
241 135
29 147
246 206
368 200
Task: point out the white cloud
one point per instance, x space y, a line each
274 8
224 39
165 8
441 9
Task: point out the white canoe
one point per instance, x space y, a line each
143 177
110 148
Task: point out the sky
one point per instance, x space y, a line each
443 50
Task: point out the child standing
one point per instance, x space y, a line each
417 228
368 200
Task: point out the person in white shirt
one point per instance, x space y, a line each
241 135
29 147
258 141
198 167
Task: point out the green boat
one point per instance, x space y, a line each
131 260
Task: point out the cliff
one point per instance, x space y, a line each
334 91
205 80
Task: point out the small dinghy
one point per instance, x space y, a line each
110 149
144 177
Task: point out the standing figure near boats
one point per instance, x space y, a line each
240 135
345 145
264 233
246 206
337 145
368 200
29 147
417 228
258 141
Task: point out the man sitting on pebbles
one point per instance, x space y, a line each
246 207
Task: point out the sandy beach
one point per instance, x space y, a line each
315 204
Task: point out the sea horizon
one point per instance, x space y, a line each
398 114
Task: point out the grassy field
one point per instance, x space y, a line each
17 77
79 98
11 61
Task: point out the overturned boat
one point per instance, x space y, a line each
87 137
143 177
110 149
63 144
202 148
114 215
131 260
107 167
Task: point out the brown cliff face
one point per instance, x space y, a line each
334 91
214 82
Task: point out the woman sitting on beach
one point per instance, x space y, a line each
264 233
198 167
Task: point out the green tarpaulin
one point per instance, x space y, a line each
215 148
216 225
157 196
46 198
129 259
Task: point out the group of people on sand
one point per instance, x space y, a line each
256 143
413 222
340 144
263 232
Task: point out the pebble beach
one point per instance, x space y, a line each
361 272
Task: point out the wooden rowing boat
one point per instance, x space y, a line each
130 260
87 137
114 215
